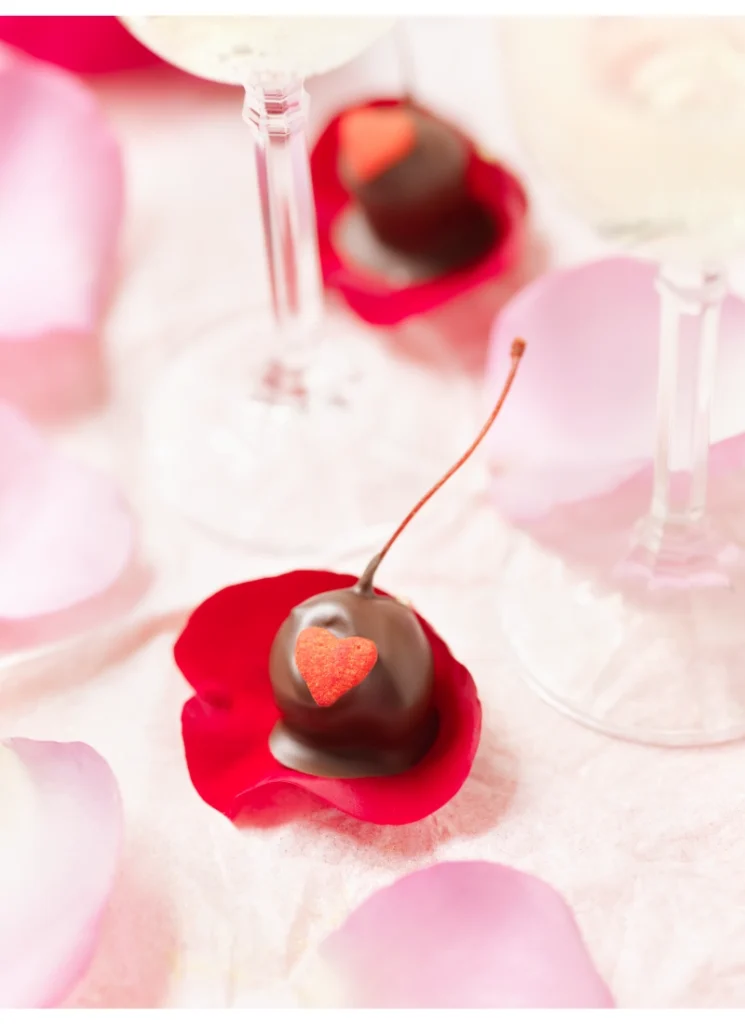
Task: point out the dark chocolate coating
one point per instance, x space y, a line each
382 726
421 205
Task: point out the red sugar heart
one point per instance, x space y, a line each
373 139
330 666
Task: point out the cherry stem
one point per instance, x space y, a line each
365 583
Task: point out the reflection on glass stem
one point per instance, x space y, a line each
673 540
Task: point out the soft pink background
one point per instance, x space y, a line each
647 846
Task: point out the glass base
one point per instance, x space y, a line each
315 468
638 650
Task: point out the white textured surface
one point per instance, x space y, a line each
647 846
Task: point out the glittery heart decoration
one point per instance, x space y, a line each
373 139
330 666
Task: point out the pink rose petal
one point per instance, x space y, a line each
582 418
61 202
459 935
61 838
65 531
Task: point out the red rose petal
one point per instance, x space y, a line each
375 300
224 654
88 45
227 640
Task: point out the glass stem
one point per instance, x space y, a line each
687 374
276 111
673 536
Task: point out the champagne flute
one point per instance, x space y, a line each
298 436
650 650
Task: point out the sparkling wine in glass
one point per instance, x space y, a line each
639 123
300 436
